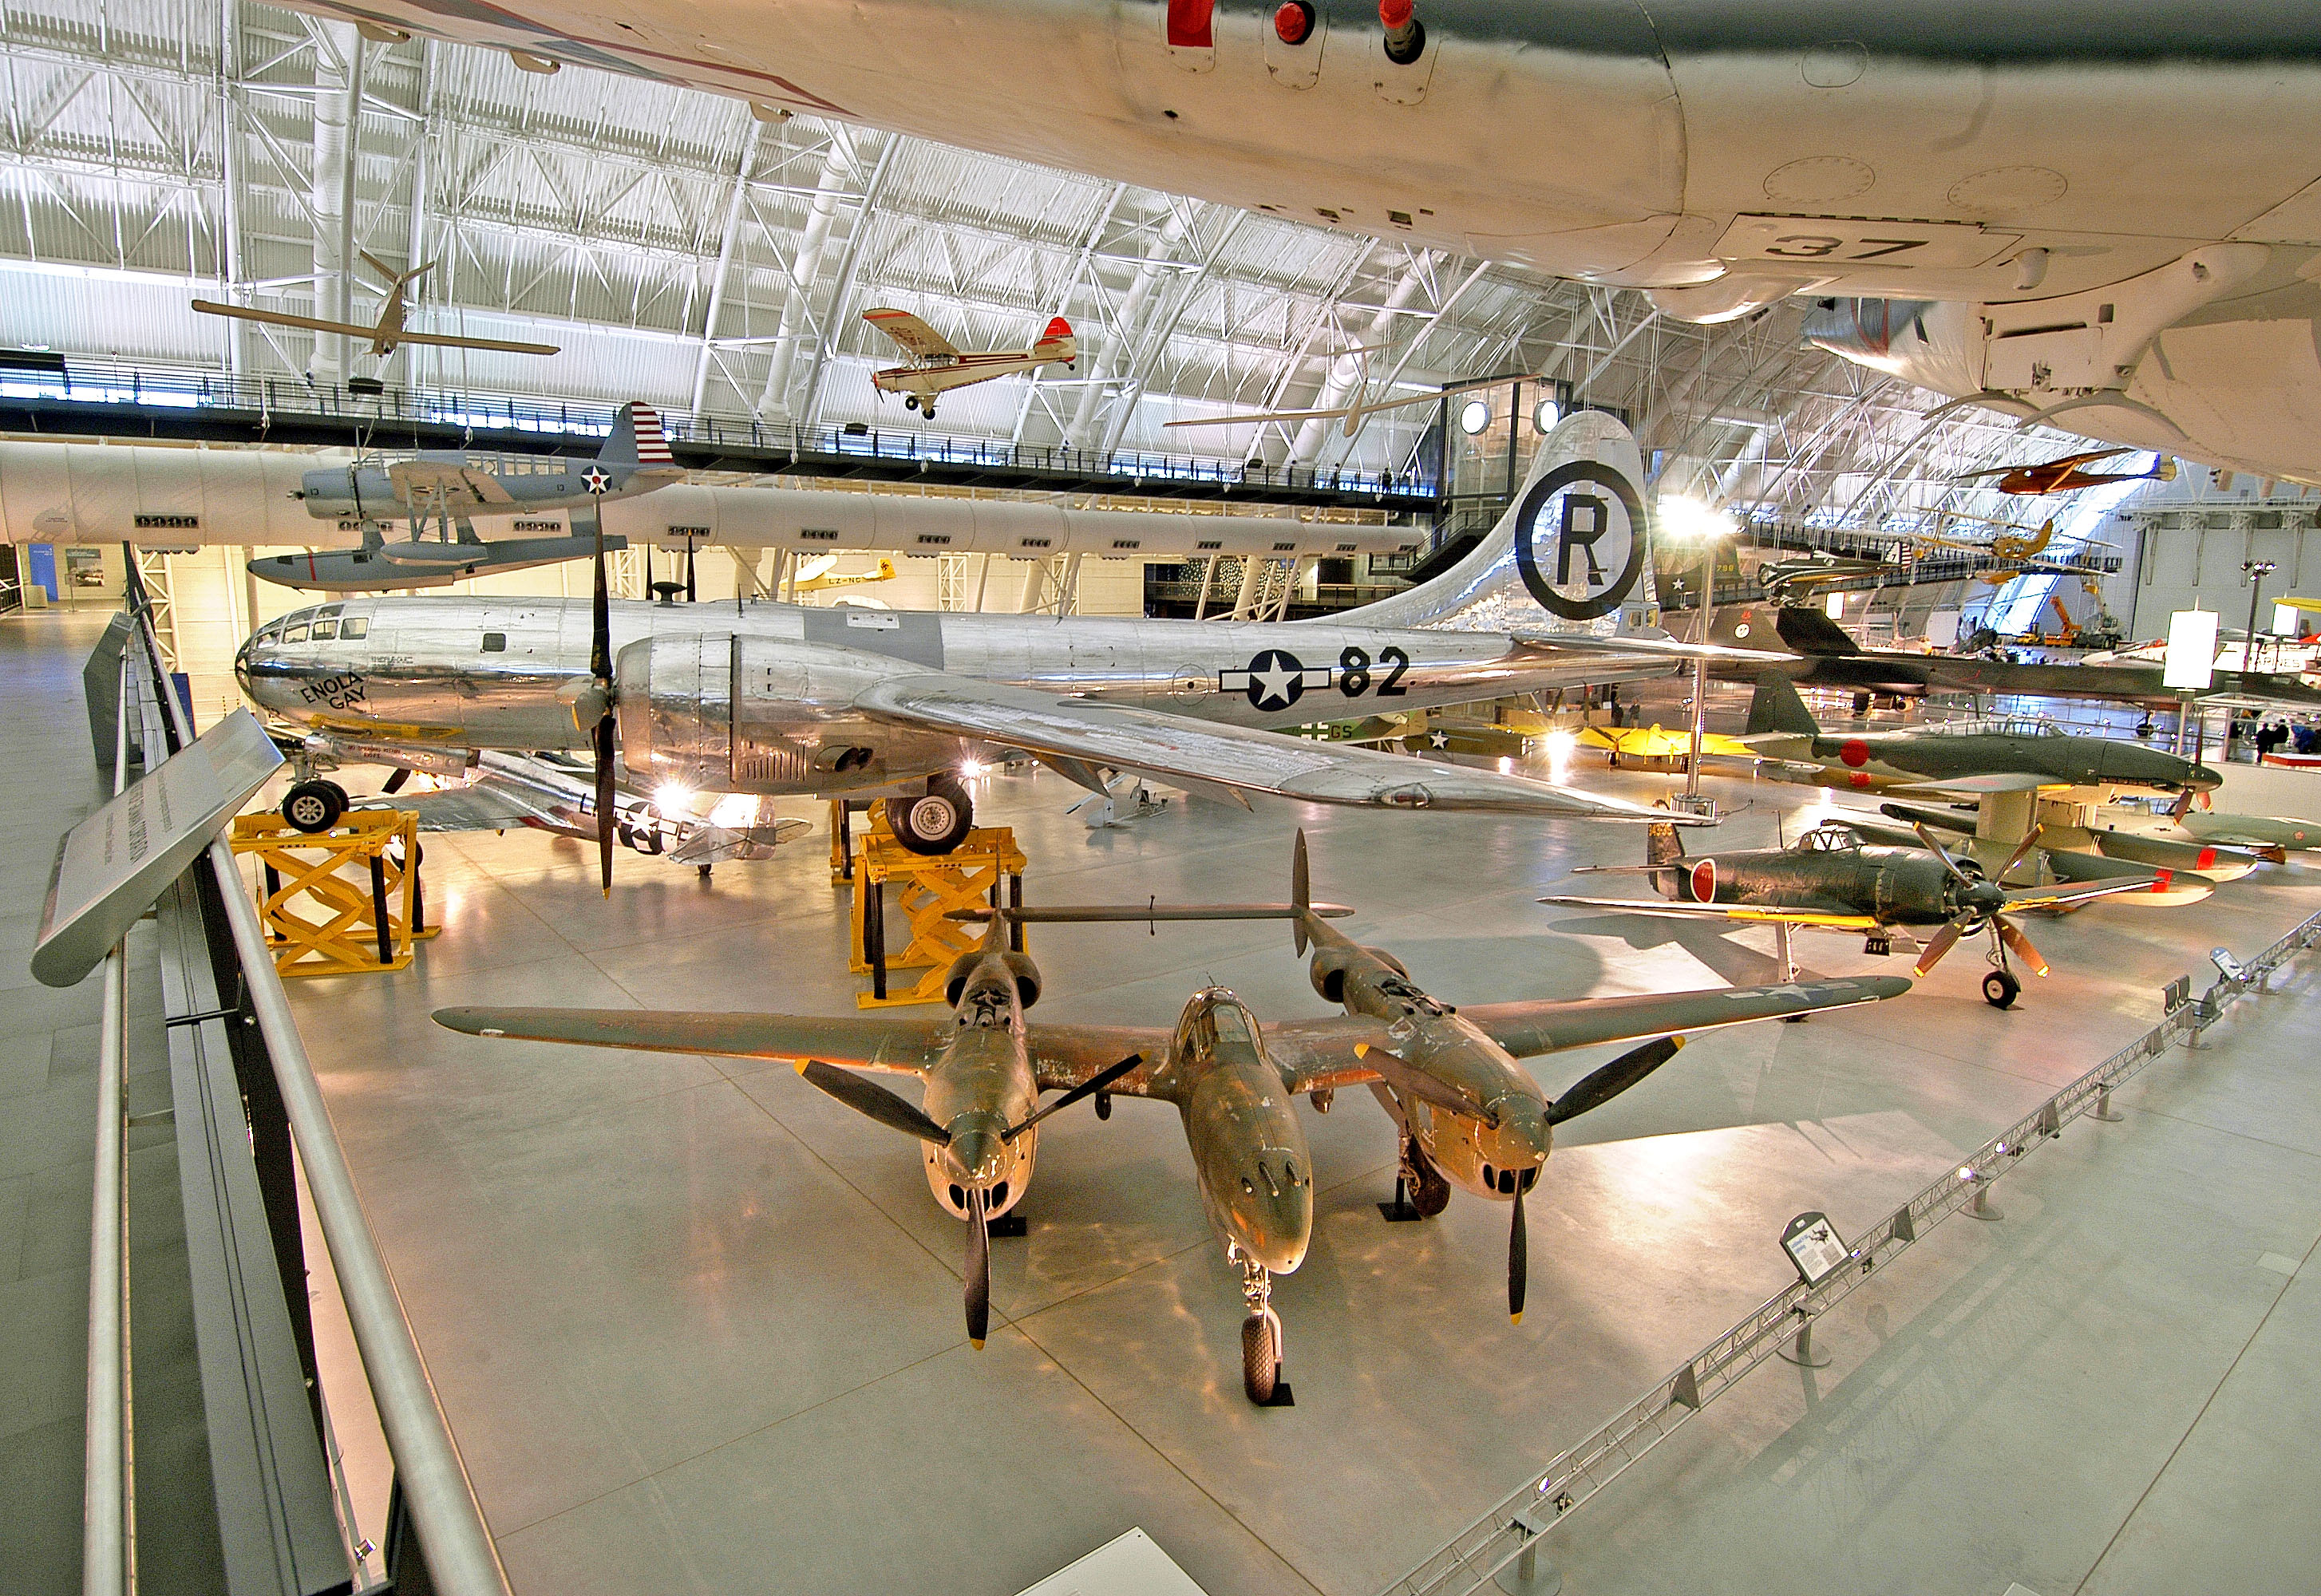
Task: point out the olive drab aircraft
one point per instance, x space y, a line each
937 367
2111 219
1829 879
1448 1077
1974 756
777 698
1823 654
446 487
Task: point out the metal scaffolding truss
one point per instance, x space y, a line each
682 251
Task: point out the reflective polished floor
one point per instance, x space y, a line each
697 1328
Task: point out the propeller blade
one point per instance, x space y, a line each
1410 1081
600 668
1926 840
394 782
1518 1256
2019 945
978 1271
1088 1088
1300 890
1598 1087
2022 852
870 1099
1938 944
2181 807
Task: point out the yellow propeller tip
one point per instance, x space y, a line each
1516 1318
800 1064
976 1345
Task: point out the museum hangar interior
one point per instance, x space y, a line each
633 586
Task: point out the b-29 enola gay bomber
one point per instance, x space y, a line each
775 699
2102 212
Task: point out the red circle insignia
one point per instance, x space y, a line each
1704 881
1855 753
1859 778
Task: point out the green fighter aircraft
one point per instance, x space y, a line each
1233 1082
1975 757
1829 879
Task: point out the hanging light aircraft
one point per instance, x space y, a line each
2066 476
1828 880
777 698
937 367
447 488
388 333
1232 1080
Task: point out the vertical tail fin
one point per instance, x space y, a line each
1775 706
636 440
1663 845
1571 556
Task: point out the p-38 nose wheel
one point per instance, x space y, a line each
936 822
2000 989
313 806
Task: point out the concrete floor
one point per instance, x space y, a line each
698 1327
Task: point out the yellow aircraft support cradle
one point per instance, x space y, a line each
319 919
927 887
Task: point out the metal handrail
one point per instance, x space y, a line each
102 383
1509 1532
108 1510
461 1560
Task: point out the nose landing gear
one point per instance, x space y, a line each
1261 1341
1999 987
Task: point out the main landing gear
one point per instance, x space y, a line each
313 805
1260 1336
935 823
1999 987
1420 1190
925 407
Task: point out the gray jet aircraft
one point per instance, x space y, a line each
775 699
1232 1080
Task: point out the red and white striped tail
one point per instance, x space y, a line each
652 447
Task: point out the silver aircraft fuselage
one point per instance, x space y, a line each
757 699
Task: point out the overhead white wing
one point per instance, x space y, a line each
919 340
1361 409
1175 746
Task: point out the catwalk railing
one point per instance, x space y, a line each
1512 1532
134 400
434 1514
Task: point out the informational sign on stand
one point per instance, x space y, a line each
2189 665
1815 1246
112 866
1130 1565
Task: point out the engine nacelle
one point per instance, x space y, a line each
1026 976
741 714
1006 1192
1331 967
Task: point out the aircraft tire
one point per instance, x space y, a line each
910 402
1432 1193
313 806
2000 989
1261 1359
935 823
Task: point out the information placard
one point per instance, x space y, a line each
111 867
1815 1246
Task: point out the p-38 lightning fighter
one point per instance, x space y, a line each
450 489
1829 880
775 699
1234 1081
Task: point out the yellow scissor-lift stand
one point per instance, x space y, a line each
927 887
342 902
